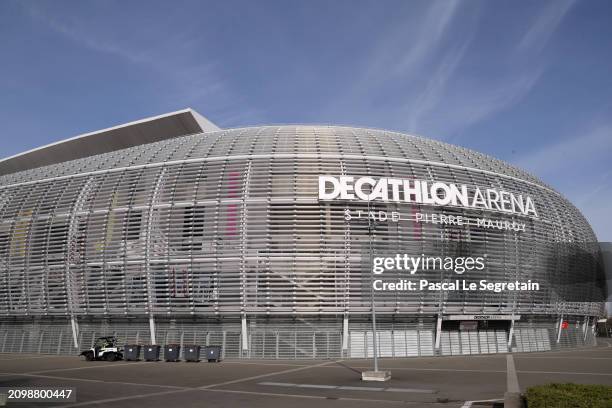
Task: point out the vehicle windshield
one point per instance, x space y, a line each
103 342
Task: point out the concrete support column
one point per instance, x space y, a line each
152 329
559 329
75 331
438 331
345 333
585 325
244 334
511 334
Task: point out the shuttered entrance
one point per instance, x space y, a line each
454 342
397 343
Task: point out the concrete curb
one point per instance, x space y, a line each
513 400
376 376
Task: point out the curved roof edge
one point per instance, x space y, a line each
148 130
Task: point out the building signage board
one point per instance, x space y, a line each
482 317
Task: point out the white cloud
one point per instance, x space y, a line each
462 106
430 32
444 89
433 93
536 38
84 38
402 51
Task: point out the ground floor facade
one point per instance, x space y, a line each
309 337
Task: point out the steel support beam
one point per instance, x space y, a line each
75 331
243 237
244 334
345 333
152 329
585 324
438 331
147 263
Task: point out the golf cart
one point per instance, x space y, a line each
105 348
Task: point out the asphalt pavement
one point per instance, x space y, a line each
458 381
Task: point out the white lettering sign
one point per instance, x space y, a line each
423 192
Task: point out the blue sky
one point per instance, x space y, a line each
529 82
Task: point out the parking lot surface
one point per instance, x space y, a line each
458 381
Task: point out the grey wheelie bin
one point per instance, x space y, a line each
172 352
131 352
191 352
213 354
151 352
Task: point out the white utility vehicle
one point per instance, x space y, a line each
105 348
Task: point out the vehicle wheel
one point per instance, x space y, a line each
89 356
110 357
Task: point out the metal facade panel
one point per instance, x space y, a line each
228 223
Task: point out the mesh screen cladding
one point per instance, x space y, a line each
228 223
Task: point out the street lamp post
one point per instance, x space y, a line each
372 304
375 375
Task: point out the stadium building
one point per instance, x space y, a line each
172 230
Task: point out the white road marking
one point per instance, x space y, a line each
278 384
271 394
54 377
323 386
256 377
25 357
351 388
90 367
108 400
265 363
468 404
419 390
512 384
